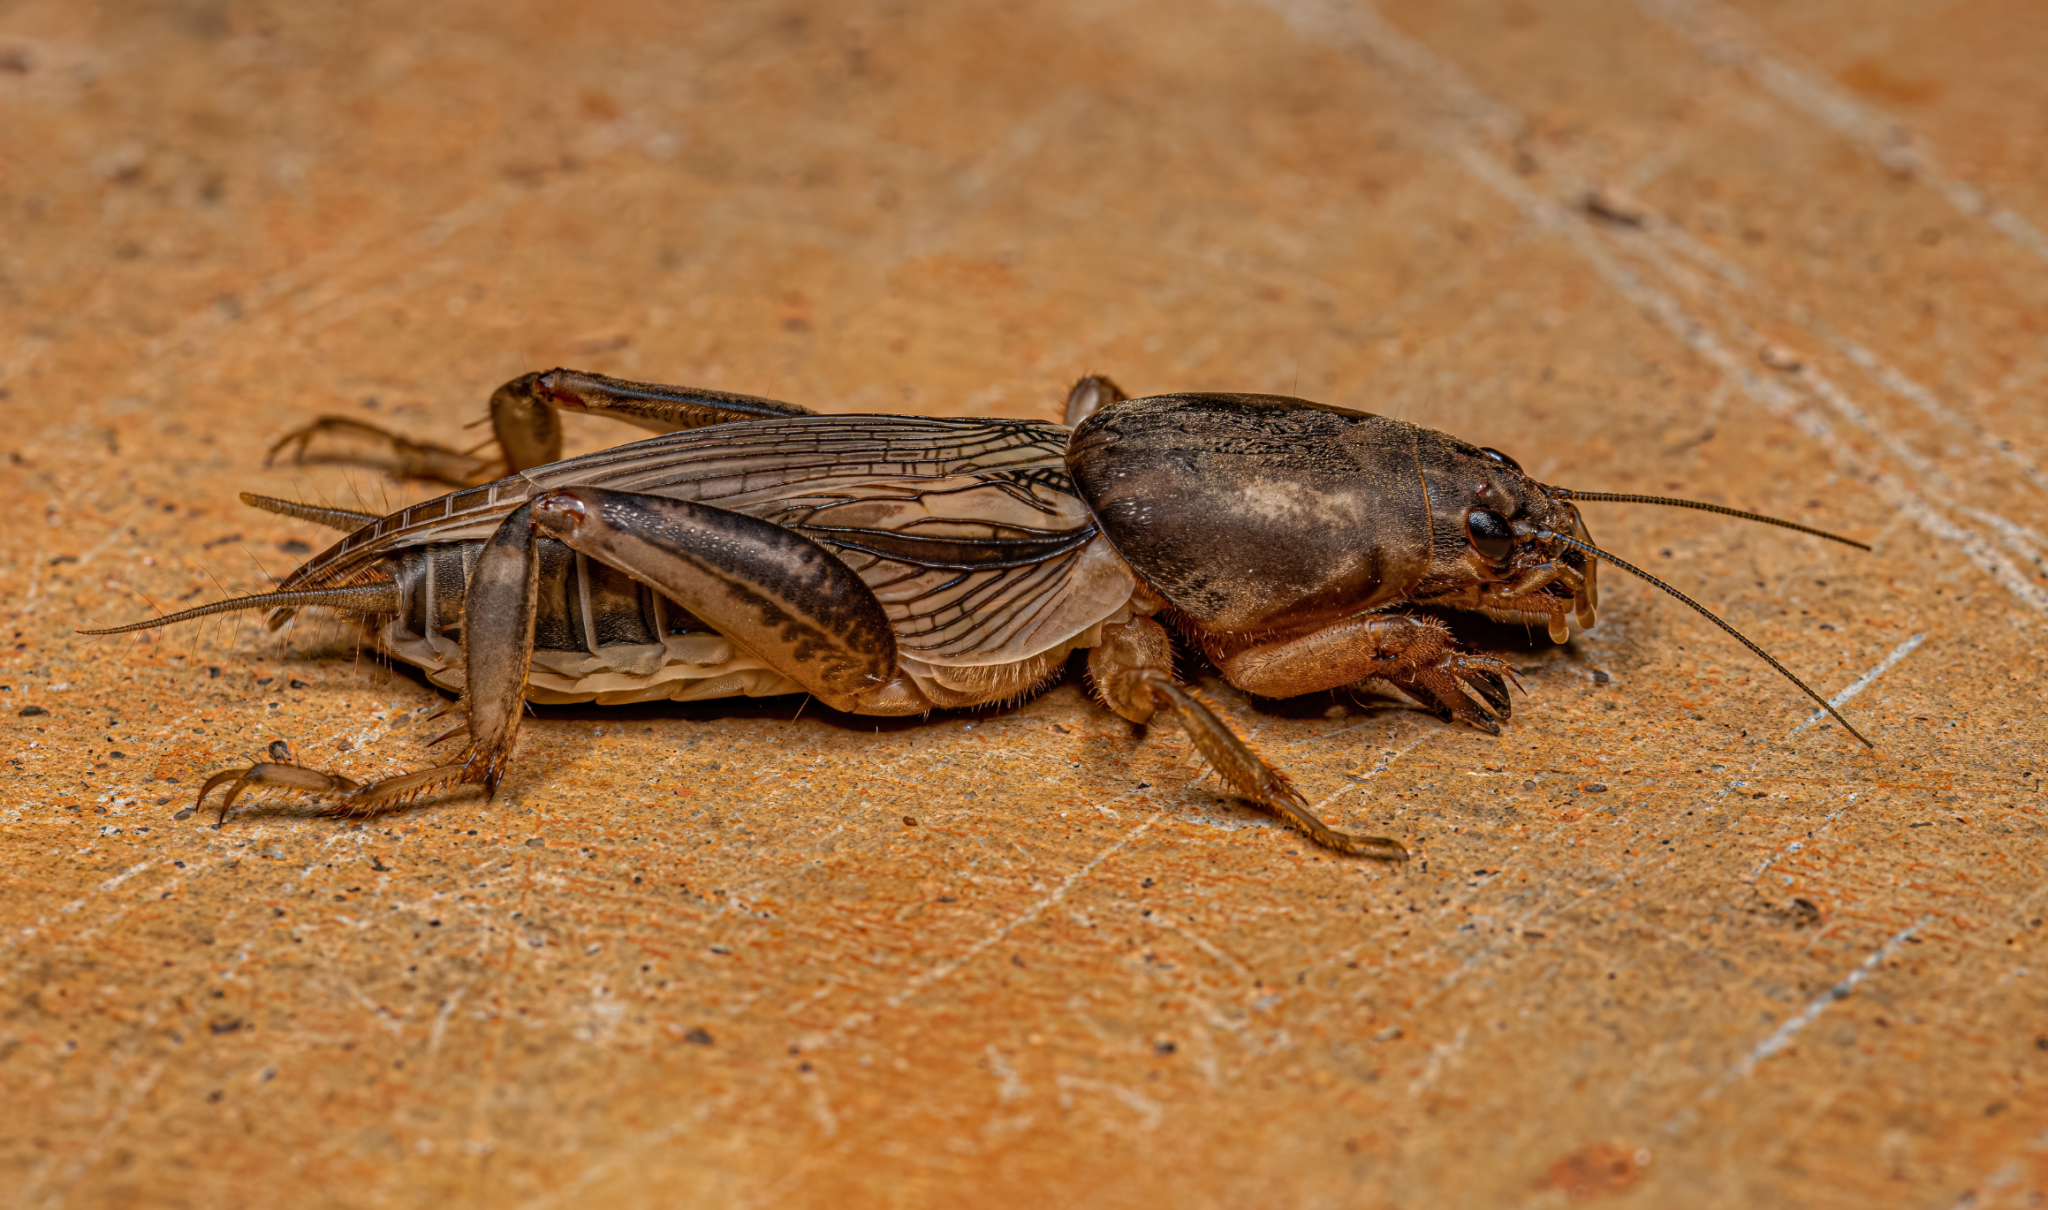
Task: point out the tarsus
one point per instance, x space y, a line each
1632 569
1565 493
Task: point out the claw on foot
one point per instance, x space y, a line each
1464 687
272 773
357 801
361 444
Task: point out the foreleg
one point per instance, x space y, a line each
1133 673
1414 654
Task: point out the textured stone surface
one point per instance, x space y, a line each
1657 949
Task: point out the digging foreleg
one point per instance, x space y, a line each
1415 655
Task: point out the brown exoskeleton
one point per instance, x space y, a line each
893 565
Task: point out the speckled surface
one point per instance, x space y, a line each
1657 948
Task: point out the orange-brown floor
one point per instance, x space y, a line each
1659 946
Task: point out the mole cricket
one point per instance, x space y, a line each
895 565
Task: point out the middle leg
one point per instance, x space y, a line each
1133 673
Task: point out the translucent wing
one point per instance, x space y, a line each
968 531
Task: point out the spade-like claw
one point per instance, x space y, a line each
1494 691
1462 687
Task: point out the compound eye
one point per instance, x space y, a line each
1501 458
1490 533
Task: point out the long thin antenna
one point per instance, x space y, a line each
1565 493
1632 569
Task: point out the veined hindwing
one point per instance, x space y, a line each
969 531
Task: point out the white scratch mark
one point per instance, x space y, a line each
84 1161
1149 1112
123 876
941 970
1895 381
1023 142
1395 755
1782 1036
1215 952
1863 682
821 1108
1798 845
852 1022
1010 1086
1439 1055
1729 39
1990 1191
2024 542
113 535
440 1026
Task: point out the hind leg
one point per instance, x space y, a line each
497 648
346 441
526 424
279 772
770 590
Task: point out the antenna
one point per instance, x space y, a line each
1632 569
1565 493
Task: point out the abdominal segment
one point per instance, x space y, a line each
602 636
